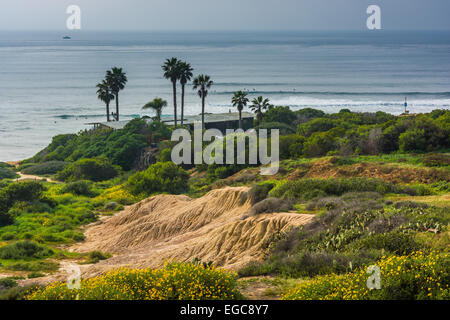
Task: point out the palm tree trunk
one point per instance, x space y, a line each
203 111
259 117
182 104
107 112
240 119
174 85
117 106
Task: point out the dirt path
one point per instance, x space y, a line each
266 287
27 176
31 177
256 288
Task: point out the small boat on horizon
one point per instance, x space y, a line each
67 38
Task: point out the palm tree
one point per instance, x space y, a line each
104 94
185 76
259 104
171 70
157 104
202 83
116 80
240 100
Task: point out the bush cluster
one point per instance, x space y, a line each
307 189
24 192
122 147
45 168
24 250
260 191
89 169
80 188
7 173
347 133
175 281
158 178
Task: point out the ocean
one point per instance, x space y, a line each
47 84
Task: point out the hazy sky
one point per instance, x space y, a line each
224 14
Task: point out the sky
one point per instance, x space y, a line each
152 15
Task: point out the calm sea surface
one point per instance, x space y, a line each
47 85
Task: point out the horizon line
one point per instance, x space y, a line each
223 30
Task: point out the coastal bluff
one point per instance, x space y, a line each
214 228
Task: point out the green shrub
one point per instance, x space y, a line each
89 169
166 155
260 191
6 218
270 205
306 189
159 177
316 125
111 206
6 173
15 293
24 250
308 114
413 140
215 172
222 172
96 256
80 188
291 146
25 165
283 127
5 165
7 283
35 274
24 191
436 160
279 114
319 144
422 189
309 264
50 167
396 242
8 236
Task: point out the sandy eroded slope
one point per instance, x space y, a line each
164 227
